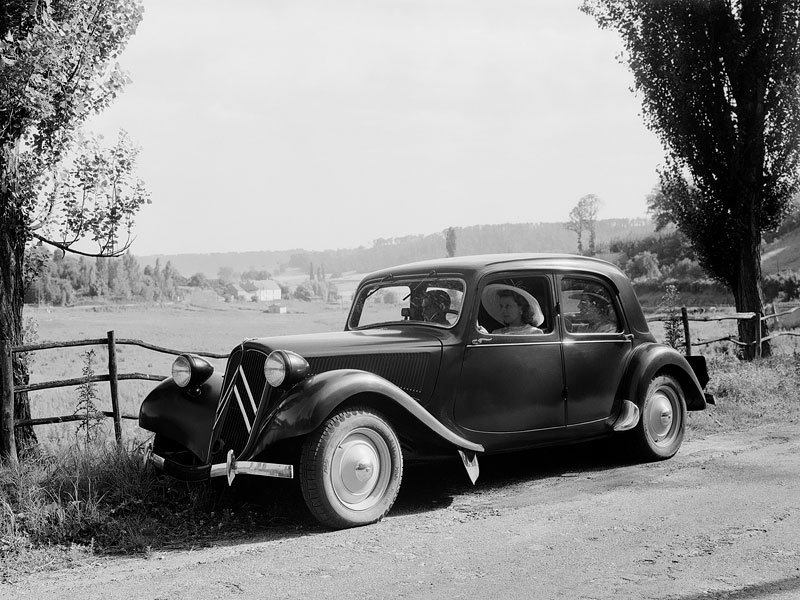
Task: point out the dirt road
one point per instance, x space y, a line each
721 520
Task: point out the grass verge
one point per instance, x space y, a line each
62 509
749 394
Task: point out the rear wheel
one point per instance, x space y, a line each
659 433
351 468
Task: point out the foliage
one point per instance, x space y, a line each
86 407
227 275
450 241
95 196
583 217
304 291
719 85
784 286
643 266
669 246
790 223
315 288
197 280
256 275
65 280
57 67
673 325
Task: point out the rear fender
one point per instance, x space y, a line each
650 359
311 402
174 413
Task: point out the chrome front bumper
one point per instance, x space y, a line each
229 469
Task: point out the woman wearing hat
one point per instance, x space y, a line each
514 307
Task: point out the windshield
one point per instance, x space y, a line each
433 300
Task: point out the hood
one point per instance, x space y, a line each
370 341
408 357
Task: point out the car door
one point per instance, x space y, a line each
512 382
596 346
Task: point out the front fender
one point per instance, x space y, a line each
311 402
649 359
170 411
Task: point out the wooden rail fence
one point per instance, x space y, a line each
758 320
8 389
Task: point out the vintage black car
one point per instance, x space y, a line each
470 355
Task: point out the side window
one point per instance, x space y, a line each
516 306
587 307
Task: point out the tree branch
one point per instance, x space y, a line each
102 254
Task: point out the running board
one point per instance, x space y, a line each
628 417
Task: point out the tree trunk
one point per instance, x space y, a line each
13 235
749 298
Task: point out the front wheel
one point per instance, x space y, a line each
659 433
351 468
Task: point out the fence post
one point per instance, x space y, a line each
687 339
8 443
777 323
757 319
112 381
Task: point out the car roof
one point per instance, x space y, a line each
481 263
476 266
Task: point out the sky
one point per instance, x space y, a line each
280 124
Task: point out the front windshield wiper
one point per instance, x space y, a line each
388 277
425 279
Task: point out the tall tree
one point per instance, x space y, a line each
576 224
583 217
719 83
450 241
57 66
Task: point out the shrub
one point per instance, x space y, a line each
782 286
673 325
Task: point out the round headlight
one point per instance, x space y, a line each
182 371
275 369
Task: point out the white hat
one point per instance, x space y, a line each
491 301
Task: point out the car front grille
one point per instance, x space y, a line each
245 389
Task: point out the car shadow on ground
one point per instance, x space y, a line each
257 510
435 484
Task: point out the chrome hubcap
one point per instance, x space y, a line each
661 417
360 469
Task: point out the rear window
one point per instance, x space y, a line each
588 307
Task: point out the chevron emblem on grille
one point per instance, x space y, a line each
221 405
241 408
240 402
247 389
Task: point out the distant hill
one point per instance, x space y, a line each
478 239
782 254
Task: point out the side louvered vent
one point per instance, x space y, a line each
406 371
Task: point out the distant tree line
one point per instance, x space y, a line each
477 239
65 279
